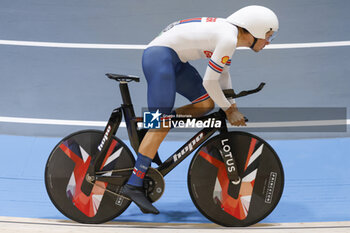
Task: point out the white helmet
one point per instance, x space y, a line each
257 20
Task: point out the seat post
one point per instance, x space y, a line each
129 115
124 90
127 107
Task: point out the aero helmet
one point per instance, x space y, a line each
257 20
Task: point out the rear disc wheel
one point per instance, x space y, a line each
66 169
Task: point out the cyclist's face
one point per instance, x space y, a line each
261 43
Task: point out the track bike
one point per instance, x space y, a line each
234 179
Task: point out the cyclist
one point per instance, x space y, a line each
167 71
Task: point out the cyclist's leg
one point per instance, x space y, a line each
189 84
154 137
161 78
159 68
159 65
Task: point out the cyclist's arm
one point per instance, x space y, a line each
212 76
225 80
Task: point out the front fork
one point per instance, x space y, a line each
229 160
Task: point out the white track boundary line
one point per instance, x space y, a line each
135 46
71 45
40 121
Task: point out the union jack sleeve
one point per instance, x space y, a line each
214 66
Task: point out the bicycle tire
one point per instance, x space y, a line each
66 168
254 198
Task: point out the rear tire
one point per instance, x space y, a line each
66 168
254 197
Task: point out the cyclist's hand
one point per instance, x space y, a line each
234 116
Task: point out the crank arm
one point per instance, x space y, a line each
109 191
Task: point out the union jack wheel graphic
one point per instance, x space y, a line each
66 169
254 197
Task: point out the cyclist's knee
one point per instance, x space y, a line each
207 105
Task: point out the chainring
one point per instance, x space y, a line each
154 184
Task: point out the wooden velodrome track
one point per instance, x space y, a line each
30 225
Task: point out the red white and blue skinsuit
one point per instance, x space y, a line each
166 68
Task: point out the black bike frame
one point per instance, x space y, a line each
133 133
131 121
192 144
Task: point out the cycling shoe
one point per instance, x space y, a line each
138 196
